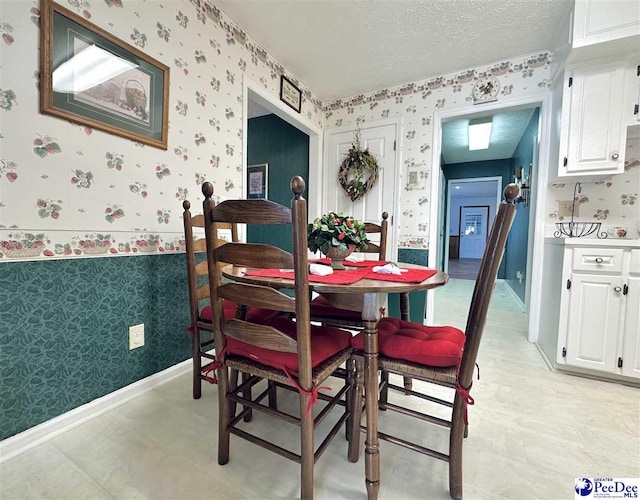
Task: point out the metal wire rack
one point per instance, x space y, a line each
578 229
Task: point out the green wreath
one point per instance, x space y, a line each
359 170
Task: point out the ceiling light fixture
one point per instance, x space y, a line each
88 68
479 133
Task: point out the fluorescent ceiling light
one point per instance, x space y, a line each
88 68
479 133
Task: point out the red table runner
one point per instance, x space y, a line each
348 277
337 278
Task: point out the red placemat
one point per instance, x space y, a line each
410 276
337 278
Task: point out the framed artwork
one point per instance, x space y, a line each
290 94
257 180
90 77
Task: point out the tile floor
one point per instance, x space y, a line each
532 431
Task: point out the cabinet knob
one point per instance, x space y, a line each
599 260
615 156
617 289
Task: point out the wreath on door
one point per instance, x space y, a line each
359 170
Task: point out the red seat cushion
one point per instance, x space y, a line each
322 308
428 345
254 314
325 342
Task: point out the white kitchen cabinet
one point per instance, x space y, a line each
632 92
592 138
631 346
599 315
599 21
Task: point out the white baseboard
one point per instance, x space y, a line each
514 295
30 438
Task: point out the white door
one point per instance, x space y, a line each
473 231
594 321
381 198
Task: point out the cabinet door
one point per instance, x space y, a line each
631 346
597 21
592 139
594 321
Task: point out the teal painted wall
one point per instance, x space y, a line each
515 256
417 300
286 149
64 331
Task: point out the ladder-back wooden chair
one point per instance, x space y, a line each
201 327
280 349
441 355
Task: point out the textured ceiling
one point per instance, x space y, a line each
506 132
340 48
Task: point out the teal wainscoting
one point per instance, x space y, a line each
417 300
64 331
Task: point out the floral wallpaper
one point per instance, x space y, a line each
416 103
71 191
612 201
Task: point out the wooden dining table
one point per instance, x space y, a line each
368 296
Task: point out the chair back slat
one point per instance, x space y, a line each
382 229
251 212
257 296
202 292
254 255
263 336
202 268
485 283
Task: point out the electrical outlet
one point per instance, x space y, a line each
564 209
136 336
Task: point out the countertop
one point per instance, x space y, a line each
595 242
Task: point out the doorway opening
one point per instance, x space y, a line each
470 207
511 155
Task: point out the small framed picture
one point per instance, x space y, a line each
257 181
290 94
416 177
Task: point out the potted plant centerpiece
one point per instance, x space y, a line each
336 236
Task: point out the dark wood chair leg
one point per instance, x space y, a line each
247 395
306 450
408 383
197 363
223 416
356 397
384 392
273 395
233 383
455 449
405 315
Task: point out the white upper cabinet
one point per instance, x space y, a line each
592 135
598 21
